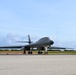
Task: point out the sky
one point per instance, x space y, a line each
55 19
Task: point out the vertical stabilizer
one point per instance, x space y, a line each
29 40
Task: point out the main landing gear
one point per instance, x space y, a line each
40 52
30 52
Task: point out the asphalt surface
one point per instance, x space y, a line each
37 64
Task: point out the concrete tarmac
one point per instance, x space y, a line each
37 64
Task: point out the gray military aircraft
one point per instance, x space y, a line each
41 44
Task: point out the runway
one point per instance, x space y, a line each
37 64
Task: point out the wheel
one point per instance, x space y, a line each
30 52
40 52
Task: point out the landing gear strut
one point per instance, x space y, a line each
46 50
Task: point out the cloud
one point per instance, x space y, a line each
11 39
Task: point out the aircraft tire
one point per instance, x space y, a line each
30 52
40 52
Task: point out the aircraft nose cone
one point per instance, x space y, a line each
51 42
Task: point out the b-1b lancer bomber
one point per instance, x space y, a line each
41 44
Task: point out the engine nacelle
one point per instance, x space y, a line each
27 48
41 48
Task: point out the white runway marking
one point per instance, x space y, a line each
37 64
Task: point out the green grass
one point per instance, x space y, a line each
61 52
36 52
